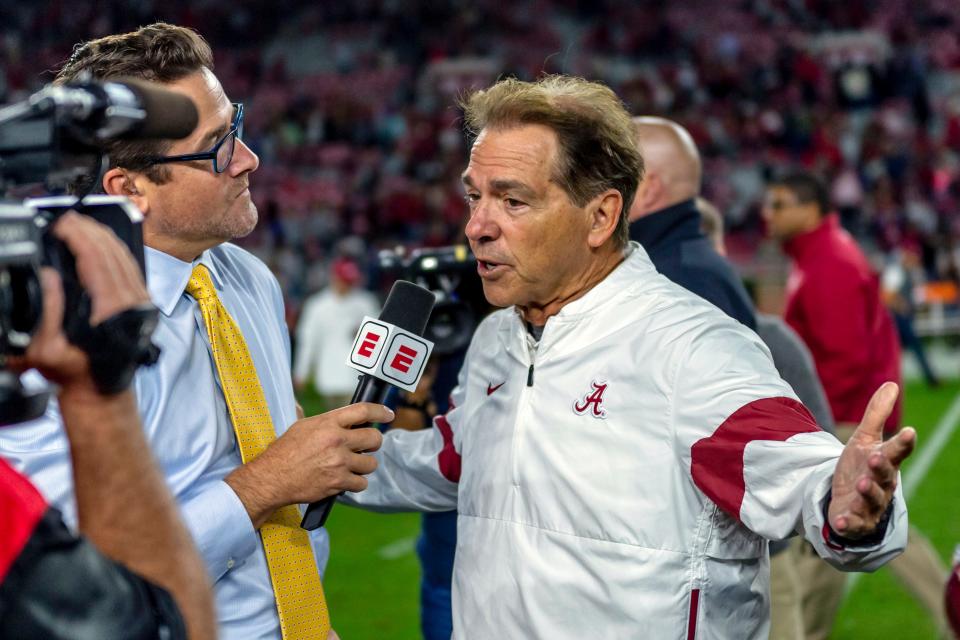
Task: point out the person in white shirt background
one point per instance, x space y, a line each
326 330
195 197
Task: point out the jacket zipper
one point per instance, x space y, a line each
518 430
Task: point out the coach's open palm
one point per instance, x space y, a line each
866 474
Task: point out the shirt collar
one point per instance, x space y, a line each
635 267
809 241
167 276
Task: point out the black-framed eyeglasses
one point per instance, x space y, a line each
222 152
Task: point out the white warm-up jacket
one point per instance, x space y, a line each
621 479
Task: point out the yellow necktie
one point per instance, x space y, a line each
293 571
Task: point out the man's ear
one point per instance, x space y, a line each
605 211
118 182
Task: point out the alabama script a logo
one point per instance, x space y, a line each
593 401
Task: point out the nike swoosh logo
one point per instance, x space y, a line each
491 388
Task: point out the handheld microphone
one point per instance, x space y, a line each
389 351
124 108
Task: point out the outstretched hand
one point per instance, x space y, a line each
866 473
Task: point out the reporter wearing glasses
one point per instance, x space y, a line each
221 153
218 408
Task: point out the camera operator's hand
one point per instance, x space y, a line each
111 277
123 504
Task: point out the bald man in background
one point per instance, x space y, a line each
665 221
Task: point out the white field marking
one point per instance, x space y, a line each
398 548
928 453
915 475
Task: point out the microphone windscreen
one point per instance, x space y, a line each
408 306
170 115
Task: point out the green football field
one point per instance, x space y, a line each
372 580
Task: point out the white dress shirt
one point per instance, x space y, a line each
325 335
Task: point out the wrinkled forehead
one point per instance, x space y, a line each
524 152
211 99
214 110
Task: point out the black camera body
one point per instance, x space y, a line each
451 274
55 139
116 347
21 253
117 213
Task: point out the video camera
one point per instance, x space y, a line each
451 274
54 138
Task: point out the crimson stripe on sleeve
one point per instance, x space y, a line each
448 458
717 461
825 532
22 507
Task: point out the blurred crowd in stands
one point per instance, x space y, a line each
352 107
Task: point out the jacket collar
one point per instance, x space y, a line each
167 276
633 271
677 222
635 265
809 242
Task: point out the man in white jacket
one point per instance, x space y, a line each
619 450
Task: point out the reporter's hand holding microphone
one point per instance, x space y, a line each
317 457
322 456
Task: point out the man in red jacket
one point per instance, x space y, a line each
834 304
833 299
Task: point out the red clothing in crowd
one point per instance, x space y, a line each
833 302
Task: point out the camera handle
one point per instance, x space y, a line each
119 345
18 404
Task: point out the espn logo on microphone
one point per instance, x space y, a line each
390 353
368 347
